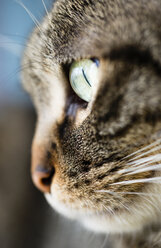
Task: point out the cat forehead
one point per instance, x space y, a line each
72 29
78 29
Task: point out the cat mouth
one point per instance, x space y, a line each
66 209
101 221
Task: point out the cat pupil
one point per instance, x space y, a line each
86 78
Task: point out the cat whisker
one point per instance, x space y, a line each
104 241
109 210
34 19
11 45
14 47
25 67
36 22
87 204
158 141
18 70
144 180
146 196
126 193
149 168
141 163
7 36
150 203
145 153
43 2
125 207
138 163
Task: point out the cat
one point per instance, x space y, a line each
93 70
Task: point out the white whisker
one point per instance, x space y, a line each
146 196
19 69
120 197
10 45
124 206
145 153
45 9
143 149
30 14
14 47
155 158
144 180
141 163
34 19
126 193
148 168
104 242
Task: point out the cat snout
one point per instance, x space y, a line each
42 171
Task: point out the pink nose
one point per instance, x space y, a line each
42 177
41 169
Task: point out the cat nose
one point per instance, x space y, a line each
42 169
42 177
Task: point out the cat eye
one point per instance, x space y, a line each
83 76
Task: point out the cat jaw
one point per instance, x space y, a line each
140 213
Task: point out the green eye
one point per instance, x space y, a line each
83 77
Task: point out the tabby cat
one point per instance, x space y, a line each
93 70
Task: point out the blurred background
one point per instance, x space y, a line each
26 220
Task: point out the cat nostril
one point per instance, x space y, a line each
42 178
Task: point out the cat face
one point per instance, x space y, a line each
98 161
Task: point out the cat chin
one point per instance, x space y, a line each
61 208
123 222
99 223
